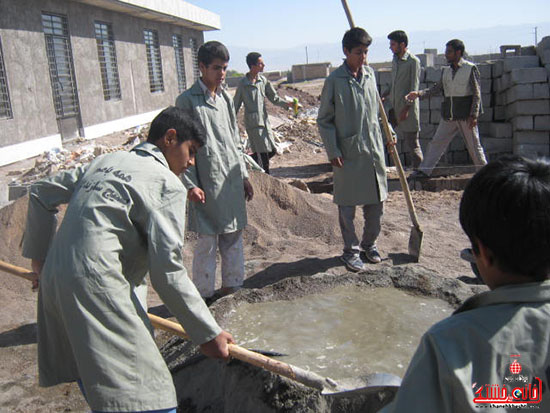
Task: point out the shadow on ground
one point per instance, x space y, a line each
19 336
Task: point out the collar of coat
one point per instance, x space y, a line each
343 71
535 292
196 90
152 150
405 56
246 81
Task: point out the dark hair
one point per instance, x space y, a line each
456 45
187 126
399 36
356 37
506 206
212 50
252 58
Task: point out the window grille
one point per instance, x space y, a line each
106 54
60 60
5 105
180 64
194 53
154 64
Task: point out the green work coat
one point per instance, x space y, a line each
349 126
125 218
475 347
219 165
256 120
405 78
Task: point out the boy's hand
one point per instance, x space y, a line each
217 347
36 266
337 162
412 96
196 195
248 190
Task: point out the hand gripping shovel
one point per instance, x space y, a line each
371 383
415 239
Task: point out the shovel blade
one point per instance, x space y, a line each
368 384
415 242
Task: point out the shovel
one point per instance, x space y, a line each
371 383
415 239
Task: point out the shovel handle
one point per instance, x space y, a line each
18 271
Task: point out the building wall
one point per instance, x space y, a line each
26 63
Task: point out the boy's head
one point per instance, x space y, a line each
356 44
398 41
505 211
178 134
252 59
213 57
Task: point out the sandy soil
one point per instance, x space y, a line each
290 233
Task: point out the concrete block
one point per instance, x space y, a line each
435 102
487 115
457 144
424 116
484 128
435 116
422 74
505 81
522 123
528 51
426 132
498 68
485 70
528 75
500 129
543 44
541 91
425 142
486 100
545 57
425 103
500 98
531 138
460 157
519 92
499 113
519 62
384 77
497 85
486 85
528 107
542 123
547 67
498 145
531 151
422 86
433 74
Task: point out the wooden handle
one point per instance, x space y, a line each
20 272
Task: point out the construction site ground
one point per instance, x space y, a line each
291 232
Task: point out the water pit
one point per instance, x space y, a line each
338 326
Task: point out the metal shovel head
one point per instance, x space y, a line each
415 242
363 385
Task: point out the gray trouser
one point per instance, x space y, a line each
443 137
373 216
411 142
204 261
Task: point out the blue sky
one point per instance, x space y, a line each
283 24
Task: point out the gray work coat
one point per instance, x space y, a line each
125 218
256 120
349 126
405 78
474 349
219 165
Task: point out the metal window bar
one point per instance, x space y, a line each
154 63
107 61
5 104
60 60
177 42
194 53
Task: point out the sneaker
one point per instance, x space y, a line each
372 255
353 262
418 174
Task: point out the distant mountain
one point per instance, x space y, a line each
477 41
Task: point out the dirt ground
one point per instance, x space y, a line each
291 233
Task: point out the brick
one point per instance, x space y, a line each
498 145
528 75
498 68
531 151
542 123
541 91
433 74
499 113
485 70
519 62
531 138
528 107
519 92
435 102
486 85
522 123
435 116
487 115
500 129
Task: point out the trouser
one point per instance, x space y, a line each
204 261
413 145
443 137
262 159
372 215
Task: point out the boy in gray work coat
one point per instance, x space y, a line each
126 217
349 126
218 182
252 91
494 351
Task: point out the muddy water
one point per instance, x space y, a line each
343 333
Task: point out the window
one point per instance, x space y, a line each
5 105
156 84
180 65
106 54
60 60
194 53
